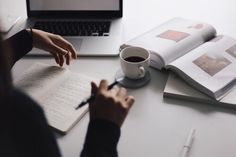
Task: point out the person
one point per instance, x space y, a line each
24 131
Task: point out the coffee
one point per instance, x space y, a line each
134 62
134 59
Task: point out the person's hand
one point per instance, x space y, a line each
112 105
60 48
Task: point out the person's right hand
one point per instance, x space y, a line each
111 105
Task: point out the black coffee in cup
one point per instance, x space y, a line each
134 62
134 59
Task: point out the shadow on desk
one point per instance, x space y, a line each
205 108
158 79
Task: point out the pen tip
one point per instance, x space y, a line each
81 104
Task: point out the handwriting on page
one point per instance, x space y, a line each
58 91
59 105
40 78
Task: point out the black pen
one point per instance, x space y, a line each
92 96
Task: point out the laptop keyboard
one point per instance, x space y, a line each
75 28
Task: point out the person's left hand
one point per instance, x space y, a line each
60 48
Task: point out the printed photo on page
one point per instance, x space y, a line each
211 65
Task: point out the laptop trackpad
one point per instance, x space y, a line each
76 42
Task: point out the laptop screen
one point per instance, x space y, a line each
75 8
74 5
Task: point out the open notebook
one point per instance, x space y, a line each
58 91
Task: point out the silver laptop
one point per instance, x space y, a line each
94 27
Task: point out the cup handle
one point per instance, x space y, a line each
142 72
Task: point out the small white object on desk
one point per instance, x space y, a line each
188 143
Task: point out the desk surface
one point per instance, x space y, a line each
156 127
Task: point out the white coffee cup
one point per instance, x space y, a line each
134 62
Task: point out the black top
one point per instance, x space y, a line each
24 131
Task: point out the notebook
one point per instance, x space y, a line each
58 91
94 27
178 89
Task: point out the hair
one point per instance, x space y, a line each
5 74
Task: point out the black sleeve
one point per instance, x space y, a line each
20 44
24 130
101 139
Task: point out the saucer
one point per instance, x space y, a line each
132 83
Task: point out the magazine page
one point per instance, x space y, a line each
210 67
172 39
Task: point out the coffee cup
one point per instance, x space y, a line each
134 62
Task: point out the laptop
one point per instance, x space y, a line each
94 27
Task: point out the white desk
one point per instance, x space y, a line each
156 127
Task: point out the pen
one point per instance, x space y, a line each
92 96
188 143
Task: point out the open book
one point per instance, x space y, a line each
58 91
193 51
178 89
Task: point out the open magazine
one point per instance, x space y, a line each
193 51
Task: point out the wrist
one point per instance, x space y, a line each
102 133
31 33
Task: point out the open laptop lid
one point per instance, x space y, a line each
74 8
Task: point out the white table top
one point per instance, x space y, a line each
156 127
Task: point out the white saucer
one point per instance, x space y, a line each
132 83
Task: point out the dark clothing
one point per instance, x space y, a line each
20 44
24 131
101 140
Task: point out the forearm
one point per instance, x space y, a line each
19 44
101 139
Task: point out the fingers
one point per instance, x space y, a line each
121 92
61 60
103 85
68 58
56 58
65 45
60 57
130 101
59 54
63 49
72 50
112 105
116 92
58 50
94 87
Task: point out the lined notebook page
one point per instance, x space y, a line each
40 78
60 104
59 91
